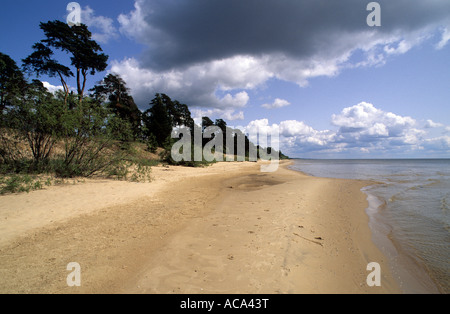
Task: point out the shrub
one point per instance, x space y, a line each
89 145
35 119
19 183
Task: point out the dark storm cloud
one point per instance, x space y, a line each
211 52
183 32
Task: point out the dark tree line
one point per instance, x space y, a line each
95 126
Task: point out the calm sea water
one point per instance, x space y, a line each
409 214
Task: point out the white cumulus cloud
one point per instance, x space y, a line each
445 38
278 103
366 119
203 85
226 114
103 27
52 88
431 124
360 129
202 53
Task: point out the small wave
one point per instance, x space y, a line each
398 196
428 183
445 203
433 182
376 203
447 227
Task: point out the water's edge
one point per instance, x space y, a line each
407 211
410 273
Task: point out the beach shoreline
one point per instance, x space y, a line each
411 274
227 228
410 255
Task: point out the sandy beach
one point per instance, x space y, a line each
223 229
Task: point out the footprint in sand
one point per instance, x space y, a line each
285 271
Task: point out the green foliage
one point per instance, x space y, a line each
89 146
40 62
36 120
94 136
206 123
157 120
166 156
77 41
10 185
135 170
119 172
69 135
141 173
12 82
283 156
179 113
152 143
112 91
120 130
19 184
11 158
163 116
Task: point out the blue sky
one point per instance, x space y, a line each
314 70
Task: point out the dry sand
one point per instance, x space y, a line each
227 228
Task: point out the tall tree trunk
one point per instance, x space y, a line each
1 103
79 86
84 72
66 91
